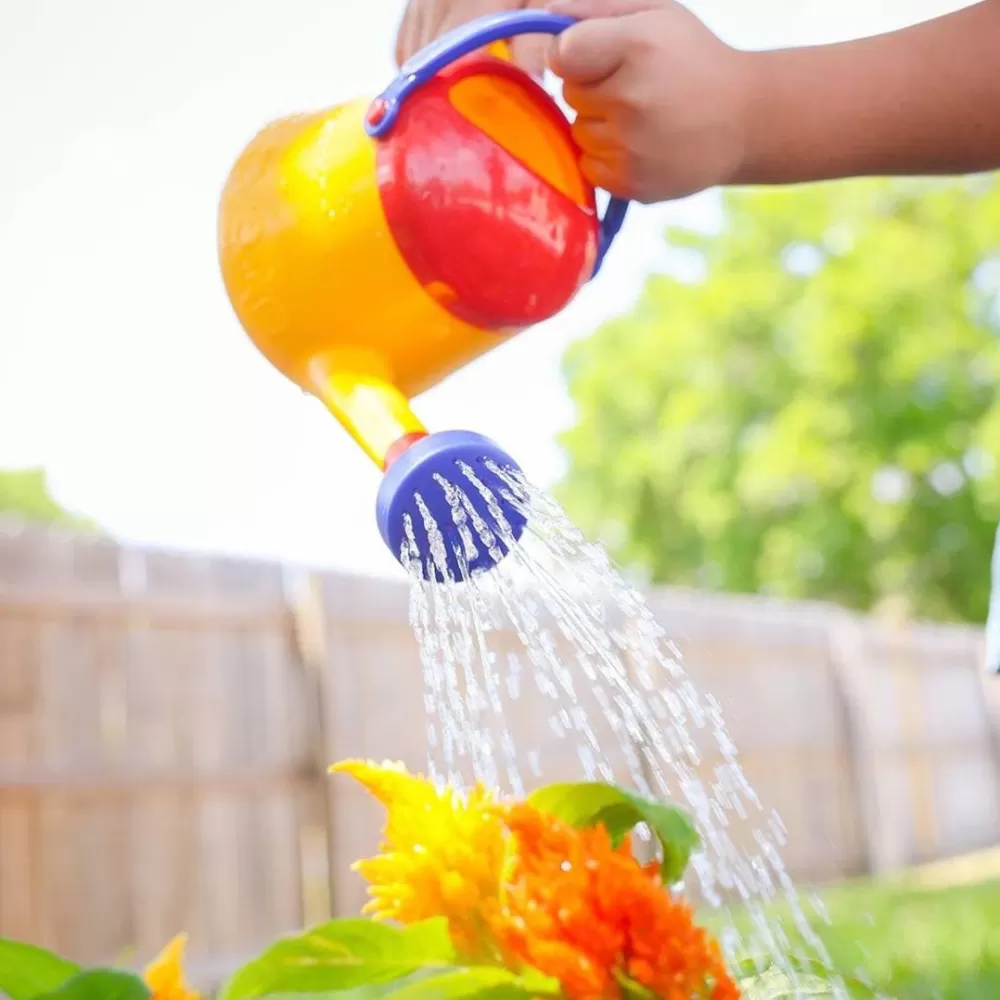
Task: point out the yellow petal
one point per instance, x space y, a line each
353 764
165 974
389 782
441 853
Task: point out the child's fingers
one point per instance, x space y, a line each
529 53
595 137
583 101
598 171
588 9
453 16
406 37
590 51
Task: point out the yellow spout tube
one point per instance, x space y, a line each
370 408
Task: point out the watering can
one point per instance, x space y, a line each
372 249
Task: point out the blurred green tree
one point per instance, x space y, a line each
24 493
817 415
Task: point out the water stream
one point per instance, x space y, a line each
552 667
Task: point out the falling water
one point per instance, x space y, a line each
614 696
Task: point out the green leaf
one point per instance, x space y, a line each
361 993
371 992
632 989
27 971
481 982
589 803
100 984
342 955
25 494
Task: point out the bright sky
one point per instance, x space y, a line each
122 368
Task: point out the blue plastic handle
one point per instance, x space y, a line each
460 42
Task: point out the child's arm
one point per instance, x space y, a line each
923 100
665 108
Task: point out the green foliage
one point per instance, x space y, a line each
100 984
361 993
482 982
818 417
24 493
30 973
632 990
341 955
27 972
354 959
912 942
589 803
374 991
459 983
811 979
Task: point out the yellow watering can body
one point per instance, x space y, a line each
319 283
372 249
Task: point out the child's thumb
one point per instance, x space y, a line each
590 51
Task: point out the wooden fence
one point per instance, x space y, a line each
166 721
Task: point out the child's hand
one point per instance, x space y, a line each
425 20
659 99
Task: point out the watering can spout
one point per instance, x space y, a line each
433 485
370 408
451 504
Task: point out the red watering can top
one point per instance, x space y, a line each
485 213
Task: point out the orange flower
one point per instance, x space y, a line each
165 974
589 915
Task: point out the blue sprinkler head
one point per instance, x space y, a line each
419 472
